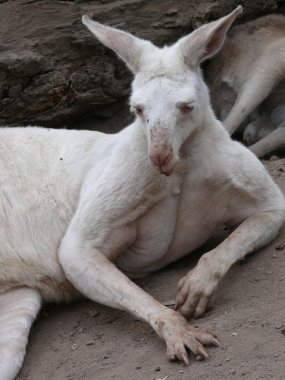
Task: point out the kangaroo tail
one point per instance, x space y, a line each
18 310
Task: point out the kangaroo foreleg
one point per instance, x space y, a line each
196 289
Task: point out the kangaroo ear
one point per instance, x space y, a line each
206 40
128 47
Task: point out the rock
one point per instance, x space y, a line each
53 72
74 347
273 158
172 11
280 246
93 313
112 319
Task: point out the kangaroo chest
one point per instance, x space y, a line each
171 229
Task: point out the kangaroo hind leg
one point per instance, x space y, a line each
18 310
258 85
275 140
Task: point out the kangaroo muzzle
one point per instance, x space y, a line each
161 152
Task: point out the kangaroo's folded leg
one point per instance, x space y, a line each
258 85
275 140
18 310
196 289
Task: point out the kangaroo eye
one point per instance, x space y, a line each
139 110
185 108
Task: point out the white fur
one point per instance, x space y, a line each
18 310
79 209
247 82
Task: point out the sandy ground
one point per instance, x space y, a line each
88 341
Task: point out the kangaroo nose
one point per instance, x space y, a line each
161 157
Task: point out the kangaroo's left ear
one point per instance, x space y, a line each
206 40
125 45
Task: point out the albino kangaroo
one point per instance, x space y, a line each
82 210
247 82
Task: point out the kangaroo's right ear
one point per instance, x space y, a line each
125 45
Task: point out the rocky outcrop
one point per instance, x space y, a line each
53 72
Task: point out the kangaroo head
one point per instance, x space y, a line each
168 96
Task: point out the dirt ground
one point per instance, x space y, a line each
88 341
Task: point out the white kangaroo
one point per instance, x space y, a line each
82 211
247 82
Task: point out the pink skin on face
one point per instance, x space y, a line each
161 152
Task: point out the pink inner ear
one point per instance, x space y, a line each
216 41
117 43
125 46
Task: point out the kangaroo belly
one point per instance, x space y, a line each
173 229
165 234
